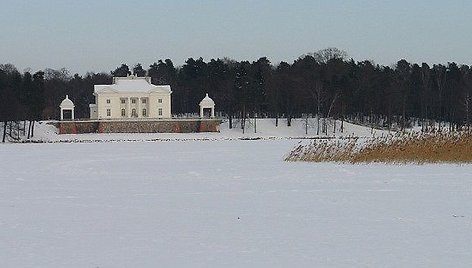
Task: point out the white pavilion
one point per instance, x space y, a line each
207 104
67 109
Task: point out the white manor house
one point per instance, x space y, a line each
131 97
133 105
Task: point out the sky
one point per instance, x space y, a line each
100 35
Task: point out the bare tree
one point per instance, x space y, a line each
330 53
441 75
425 79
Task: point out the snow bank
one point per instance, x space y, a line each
262 129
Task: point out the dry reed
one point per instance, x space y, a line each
417 148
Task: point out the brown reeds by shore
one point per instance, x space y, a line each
451 147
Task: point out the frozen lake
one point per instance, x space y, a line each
225 204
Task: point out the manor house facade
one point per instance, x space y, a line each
131 97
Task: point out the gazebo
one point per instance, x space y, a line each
207 103
67 109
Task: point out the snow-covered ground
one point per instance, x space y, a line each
225 203
263 129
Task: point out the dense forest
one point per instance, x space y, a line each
326 84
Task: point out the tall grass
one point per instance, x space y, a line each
453 147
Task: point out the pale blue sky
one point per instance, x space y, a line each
100 35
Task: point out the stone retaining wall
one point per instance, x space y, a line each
160 126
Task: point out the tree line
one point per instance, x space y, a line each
326 84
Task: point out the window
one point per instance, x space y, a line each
159 100
143 101
133 113
108 112
160 111
144 112
108 101
123 112
133 101
123 101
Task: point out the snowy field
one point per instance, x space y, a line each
225 203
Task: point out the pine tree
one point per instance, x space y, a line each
121 71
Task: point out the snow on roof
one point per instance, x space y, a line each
207 101
132 84
67 103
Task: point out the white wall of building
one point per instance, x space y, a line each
155 100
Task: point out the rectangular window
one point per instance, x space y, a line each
160 111
159 100
133 101
143 101
133 113
144 112
123 112
108 112
123 101
108 101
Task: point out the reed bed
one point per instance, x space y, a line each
451 147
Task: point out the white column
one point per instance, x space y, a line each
128 105
201 112
72 113
139 107
62 114
212 112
